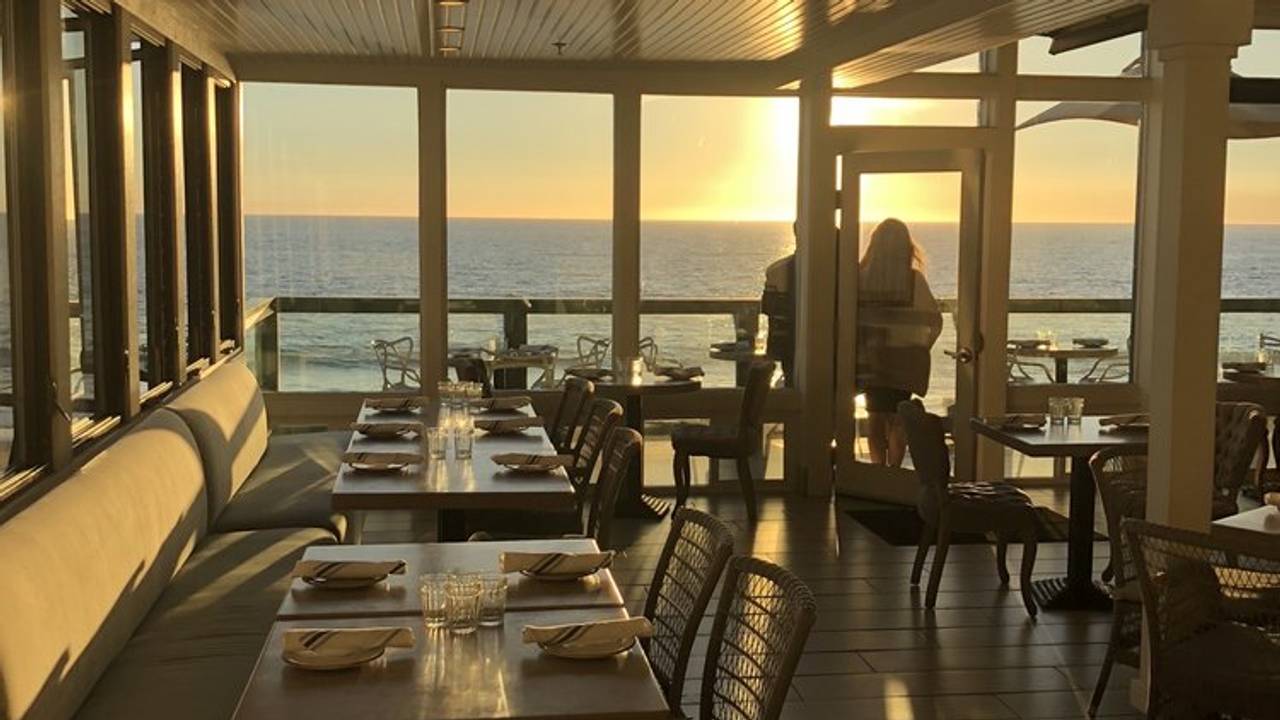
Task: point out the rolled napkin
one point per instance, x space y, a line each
386 429
393 404
513 402
681 373
511 425
1021 421
591 373
533 461
1123 421
379 458
554 563
347 569
319 643
588 633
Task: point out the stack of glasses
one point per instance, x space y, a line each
462 602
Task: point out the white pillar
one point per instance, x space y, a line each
433 221
1191 43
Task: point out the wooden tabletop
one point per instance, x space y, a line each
398 595
489 674
1264 379
1066 351
647 384
1080 440
1265 519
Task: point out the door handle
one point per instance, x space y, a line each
962 355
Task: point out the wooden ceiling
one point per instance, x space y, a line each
866 40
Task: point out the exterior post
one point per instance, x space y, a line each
433 221
626 223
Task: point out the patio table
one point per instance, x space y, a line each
1062 355
740 357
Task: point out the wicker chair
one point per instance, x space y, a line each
620 452
1213 620
399 367
602 417
1240 431
947 507
574 399
689 568
761 625
1121 476
738 442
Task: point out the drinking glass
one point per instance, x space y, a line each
475 391
444 389
431 589
437 442
493 598
1075 410
462 604
1047 338
1058 409
464 435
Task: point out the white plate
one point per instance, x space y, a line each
594 651
378 467
314 661
344 583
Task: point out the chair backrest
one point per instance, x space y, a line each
474 369
574 399
927 442
759 378
1121 475
603 416
761 625
1240 429
1193 583
592 351
395 358
689 567
621 450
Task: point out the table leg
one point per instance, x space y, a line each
632 502
1060 370
451 525
1077 591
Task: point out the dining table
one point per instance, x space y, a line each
741 356
1062 355
450 486
1264 519
1078 442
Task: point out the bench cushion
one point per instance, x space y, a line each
82 566
227 415
291 487
193 655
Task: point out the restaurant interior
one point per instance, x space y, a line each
589 359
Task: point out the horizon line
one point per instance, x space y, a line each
695 220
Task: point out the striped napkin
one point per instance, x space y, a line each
386 429
681 373
344 642
554 563
532 461
512 402
375 457
394 403
1131 420
346 569
511 425
589 633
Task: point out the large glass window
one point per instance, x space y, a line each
330 194
530 237
78 155
6 309
138 211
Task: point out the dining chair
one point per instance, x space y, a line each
739 441
692 560
618 458
574 399
761 625
1240 432
1121 476
395 359
592 352
977 507
1018 370
473 369
603 416
1213 620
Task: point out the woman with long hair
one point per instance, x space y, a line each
898 322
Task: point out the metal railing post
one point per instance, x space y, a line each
266 348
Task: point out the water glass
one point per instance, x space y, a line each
493 598
462 604
444 389
437 442
1047 338
1075 410
464 436
1059 407
431 589
475 391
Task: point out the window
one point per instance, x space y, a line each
847 110
139 211
78 156
6 336
530 237
1104 59
330 229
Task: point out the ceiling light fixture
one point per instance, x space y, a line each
450 21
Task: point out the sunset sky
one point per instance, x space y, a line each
353 151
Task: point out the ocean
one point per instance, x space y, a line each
377 257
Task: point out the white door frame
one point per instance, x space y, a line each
893 484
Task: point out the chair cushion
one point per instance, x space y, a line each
193 655
226 413
291 487
707 440
987 494
82 566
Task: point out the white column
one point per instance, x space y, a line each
433 266
1191 43
626 223
816 290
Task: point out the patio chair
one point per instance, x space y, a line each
976 507
592 352
1020 371
399 368
1213 620
723 442
574 400
1240 431
1111 369
473 369
692 560
1121 476
652 355
761 625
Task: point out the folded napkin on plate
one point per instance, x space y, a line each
346 569
344 642
393 403
1021 420
375 457
384 429
589 633
554 563
547 461
1128 420
591 373
681 373
513 402
508 425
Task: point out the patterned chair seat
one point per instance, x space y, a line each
717 441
